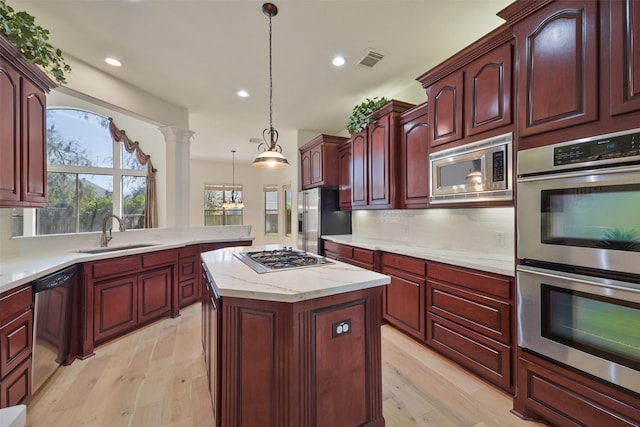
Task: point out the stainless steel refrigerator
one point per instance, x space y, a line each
319 214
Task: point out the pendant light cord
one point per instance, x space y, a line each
270 86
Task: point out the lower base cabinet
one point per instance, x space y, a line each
284 366
565 397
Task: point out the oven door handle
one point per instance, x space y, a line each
578 174
578 278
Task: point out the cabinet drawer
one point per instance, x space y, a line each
15 303
405 263
487 358
15 389
152 259
364 255
115 266
485 315
16 340
477 281
342 250
188 292
187 268
187 251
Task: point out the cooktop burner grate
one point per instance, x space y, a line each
280 259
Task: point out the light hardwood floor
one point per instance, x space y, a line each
156 377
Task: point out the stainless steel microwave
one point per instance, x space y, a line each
476 172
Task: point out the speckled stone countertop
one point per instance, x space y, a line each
484 261
233 278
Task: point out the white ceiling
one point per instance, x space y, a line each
198 53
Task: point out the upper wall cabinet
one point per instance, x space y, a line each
23 166
557 56
375 156
345 178
470 93
579 68
414 158
319 161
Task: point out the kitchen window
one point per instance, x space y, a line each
89 176
215 195
271 210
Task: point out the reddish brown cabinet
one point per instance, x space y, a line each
319 161
23 171
469 318
16 346
470 94
189 283
624 55
363 258
403 302
375 159
558 67
414 158
345 175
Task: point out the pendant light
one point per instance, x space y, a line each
270 151
233 204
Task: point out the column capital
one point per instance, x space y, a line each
176 134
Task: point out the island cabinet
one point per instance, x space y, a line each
279 364
125 292
23 165
470 317
578 68
16 346
563 397
363 258
414 158
319 161
470 94
375 160
345 175
404 298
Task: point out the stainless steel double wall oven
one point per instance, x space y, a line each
578 280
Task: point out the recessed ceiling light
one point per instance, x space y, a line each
113 61
338 61
243 93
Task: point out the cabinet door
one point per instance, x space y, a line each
345 175
15 389
625 56
16 341
34 144
558 69
154 294
305 167
404 303
9 134
488 91
415 162
316 165
445 110
379 162
115 307
214 339
359 183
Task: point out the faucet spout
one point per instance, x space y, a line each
104 239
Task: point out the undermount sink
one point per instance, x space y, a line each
116 248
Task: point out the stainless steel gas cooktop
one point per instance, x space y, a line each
280 259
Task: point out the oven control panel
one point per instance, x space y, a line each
611 147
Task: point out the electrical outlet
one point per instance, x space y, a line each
499 238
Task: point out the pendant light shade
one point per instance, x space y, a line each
234 203
270 151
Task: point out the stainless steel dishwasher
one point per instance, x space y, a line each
53 297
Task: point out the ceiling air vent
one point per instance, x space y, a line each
370 58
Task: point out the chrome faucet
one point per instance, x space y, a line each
104 239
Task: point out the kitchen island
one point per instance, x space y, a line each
295 347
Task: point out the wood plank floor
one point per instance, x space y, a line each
155 377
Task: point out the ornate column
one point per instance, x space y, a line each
178 175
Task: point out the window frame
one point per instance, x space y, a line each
224 188
268 213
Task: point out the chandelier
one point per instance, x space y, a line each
233 204
270 151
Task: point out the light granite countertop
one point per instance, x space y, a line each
24 267
484 261
233 278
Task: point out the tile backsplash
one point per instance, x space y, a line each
479 229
